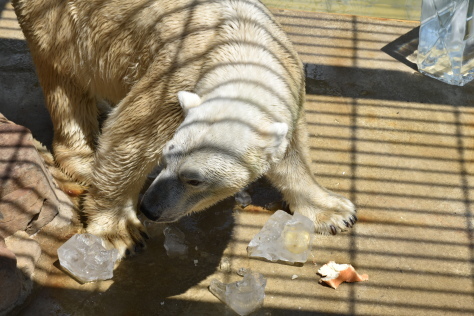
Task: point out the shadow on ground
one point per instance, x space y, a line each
398 144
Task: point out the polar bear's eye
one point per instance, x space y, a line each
194 183
191 177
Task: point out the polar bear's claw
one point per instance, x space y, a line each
128 236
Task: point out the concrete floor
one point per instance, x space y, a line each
398 144
393 9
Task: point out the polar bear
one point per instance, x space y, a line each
211 90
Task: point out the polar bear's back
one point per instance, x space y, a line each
108 46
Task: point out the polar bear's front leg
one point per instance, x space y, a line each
74 115
129 147
110 206
330 212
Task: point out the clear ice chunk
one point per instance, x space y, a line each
86 258
243 198
175 242
283 238
446 41
243 296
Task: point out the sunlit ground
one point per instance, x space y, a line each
391 9
398 144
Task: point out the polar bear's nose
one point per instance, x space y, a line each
149 210
159 203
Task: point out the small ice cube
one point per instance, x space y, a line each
225 265
175 242
242 272
85 257
243 198
243 296
283 238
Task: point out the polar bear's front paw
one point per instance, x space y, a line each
331 213
127 235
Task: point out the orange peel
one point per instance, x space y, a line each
333 274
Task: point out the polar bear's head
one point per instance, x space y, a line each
222 146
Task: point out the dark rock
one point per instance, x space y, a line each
27 197
10 280
27 252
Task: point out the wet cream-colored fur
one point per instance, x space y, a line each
246 89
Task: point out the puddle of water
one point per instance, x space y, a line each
391 9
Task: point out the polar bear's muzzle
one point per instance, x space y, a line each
161 202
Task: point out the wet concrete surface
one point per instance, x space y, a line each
398 144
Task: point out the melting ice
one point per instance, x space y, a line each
175 242
85 257
243 296
283 238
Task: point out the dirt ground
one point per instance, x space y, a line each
398 144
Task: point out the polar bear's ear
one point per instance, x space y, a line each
278 142
188 100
